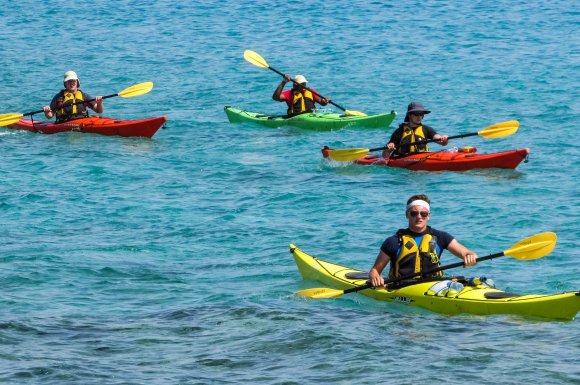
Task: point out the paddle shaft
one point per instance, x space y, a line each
75 103
430 271
306 88
427 141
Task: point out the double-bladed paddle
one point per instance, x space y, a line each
129 92
497 130
534 247
259 61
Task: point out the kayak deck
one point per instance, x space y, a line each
479 299
323 121
462 159
95 125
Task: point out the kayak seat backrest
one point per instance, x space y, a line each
500 295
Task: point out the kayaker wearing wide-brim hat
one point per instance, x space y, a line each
415 107
412 130
298 99
72 103
418 247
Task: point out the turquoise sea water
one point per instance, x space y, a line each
165 261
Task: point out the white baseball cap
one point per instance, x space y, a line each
300 79
70 75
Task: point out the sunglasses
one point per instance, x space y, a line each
414 214
417 114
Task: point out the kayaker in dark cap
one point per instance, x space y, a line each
412 130
65 104
418 247
298 99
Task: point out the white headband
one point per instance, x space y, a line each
419 202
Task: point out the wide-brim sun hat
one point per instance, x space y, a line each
70 75
300 79
417 107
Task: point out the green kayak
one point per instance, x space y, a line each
311 120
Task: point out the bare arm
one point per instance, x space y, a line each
320 100
441 139
375 273
457 249
277 96
48 112
97 105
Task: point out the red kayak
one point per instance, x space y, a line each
95 125
461 159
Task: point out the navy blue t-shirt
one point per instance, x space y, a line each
391 246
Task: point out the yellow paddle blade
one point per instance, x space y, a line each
499 130
354 113
347 154
255 59
536 246
8 119
320 292
136 90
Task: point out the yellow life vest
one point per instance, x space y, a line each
68 109
302 101
415 258
411 136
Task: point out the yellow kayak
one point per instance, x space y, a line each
479 299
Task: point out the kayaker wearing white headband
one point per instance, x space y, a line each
418 247
418 202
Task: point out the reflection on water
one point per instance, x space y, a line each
139 145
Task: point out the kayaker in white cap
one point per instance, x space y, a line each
418 247
72 103
412 130
298 99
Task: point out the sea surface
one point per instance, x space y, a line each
165 260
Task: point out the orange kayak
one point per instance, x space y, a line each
95 125
449 160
